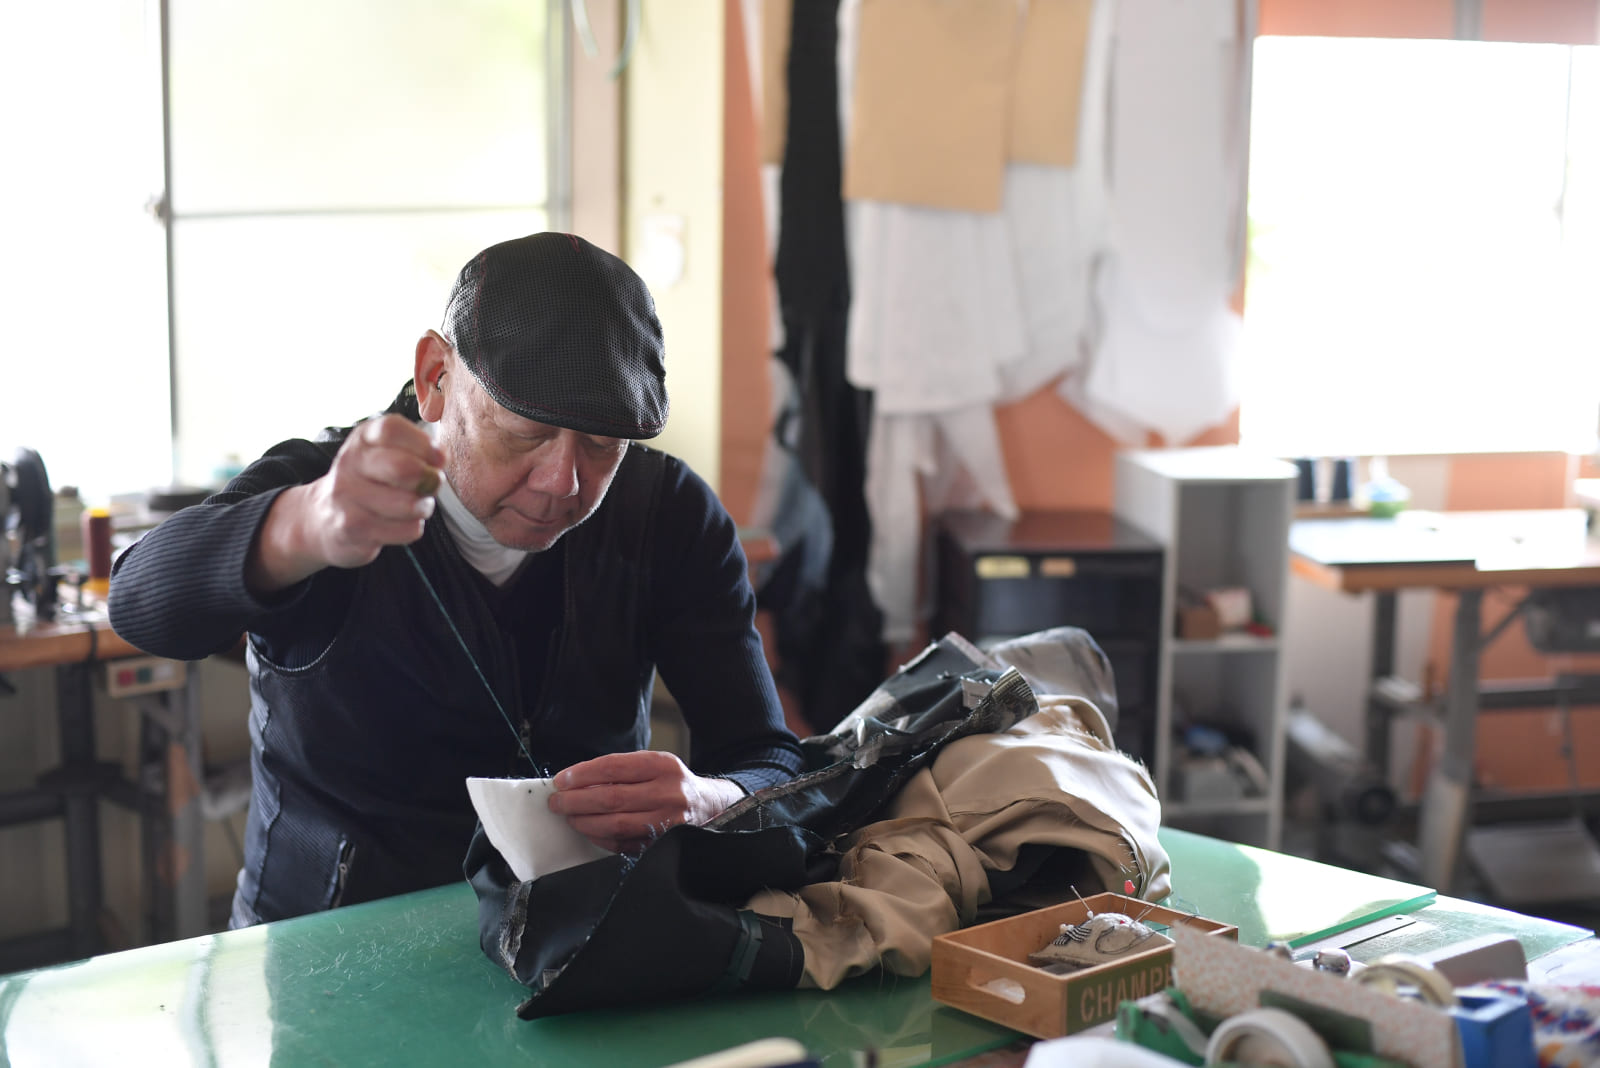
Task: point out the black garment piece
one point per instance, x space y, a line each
833 667
367 716
667 924
791 589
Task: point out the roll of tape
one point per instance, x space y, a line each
1268 1036
1390 974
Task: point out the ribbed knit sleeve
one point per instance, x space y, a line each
179 591
707 648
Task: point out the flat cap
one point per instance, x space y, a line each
561 332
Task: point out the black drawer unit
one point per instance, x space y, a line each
999 578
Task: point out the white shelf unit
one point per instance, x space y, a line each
1222 514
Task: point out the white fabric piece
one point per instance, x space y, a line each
1178 380
1163 358
934 307
924 462
1052 242
1172 183
533 840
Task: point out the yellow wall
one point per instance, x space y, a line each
673 180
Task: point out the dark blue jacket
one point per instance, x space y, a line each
366 714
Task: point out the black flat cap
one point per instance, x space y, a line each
561 332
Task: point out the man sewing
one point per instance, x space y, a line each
396 648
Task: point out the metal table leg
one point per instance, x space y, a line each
76 777
1378 714
1447 800
174 826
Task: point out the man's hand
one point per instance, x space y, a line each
623 800
379 492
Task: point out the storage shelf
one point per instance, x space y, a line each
1222 514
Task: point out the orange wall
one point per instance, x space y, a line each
1542 21
1356 18
746 312
1538 21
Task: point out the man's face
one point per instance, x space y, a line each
528 483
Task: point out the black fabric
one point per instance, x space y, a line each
792 588
830 668
622 930
563 333
366 715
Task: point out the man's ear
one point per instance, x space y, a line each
434 358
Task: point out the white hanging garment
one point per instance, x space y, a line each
1051 244
1163 360
953 311
918 464
934 306
1179 380
1059 228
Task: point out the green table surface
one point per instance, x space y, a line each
402 982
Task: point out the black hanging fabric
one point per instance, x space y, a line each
829 667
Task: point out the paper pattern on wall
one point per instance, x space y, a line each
929 101
1048 82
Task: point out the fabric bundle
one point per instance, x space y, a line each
951 790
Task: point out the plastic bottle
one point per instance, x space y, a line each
1384 496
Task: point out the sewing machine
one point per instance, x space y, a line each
27 536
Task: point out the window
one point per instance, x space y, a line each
331 167
1425 246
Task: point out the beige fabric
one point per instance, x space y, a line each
929 104
776 19
1055 778
1047 82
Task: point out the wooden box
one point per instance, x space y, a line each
984 969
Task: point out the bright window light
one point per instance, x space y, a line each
1424 252
333 165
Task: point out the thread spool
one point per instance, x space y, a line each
97 549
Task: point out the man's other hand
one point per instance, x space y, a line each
378 492
623 800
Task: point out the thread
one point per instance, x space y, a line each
462 641
96 523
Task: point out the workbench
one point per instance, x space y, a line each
1460 553
166 793
402 982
